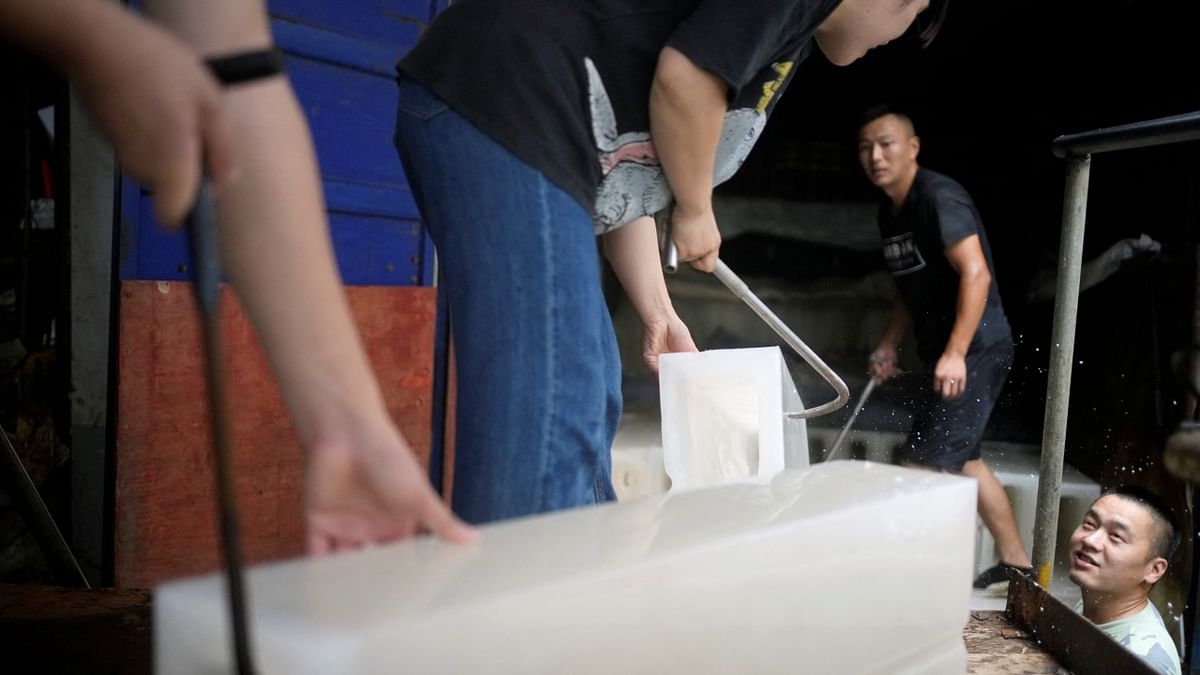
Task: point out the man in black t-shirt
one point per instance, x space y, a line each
937 251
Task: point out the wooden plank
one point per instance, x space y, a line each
996 646
47 629
165 524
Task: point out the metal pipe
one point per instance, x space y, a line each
670 260
28 502
206 263
740 289
1062 353
668 252
206 260
1161 131
841 437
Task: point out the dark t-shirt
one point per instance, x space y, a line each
937 213
565 84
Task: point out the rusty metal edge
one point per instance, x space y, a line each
1069 637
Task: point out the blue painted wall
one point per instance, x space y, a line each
340 57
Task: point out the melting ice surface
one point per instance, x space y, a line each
780 576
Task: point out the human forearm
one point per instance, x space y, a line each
897 326
632 251
64 32
966 258
275 244
278 255
687 110
148 91
950 372
887 353
972 300
362 482
214 27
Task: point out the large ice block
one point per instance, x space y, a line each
637 457
723 417
847 567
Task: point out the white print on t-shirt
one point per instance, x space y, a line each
633 183
902 255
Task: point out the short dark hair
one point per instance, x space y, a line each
883 110
930 21
1168 539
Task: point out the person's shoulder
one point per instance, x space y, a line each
1151 616
943 200
1150 640
946 199
939 184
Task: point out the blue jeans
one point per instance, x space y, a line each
539 376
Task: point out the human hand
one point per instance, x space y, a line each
367 488
696 237
950 375
883 362
668 334
160 109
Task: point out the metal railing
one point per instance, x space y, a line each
1161 131
1078 149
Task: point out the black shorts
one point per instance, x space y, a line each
946 432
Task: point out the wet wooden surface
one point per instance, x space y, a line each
996 646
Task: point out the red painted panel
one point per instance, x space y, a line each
165 504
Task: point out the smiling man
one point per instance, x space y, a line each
1118 553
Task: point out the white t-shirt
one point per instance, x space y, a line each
1144 634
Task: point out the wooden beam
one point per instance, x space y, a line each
165 523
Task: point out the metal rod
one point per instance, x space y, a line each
37 517
670 257
206 260
207 266
1161 131
740 289
668 252
1062 353
841 437
226 505
670 260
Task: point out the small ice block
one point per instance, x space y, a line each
723 417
